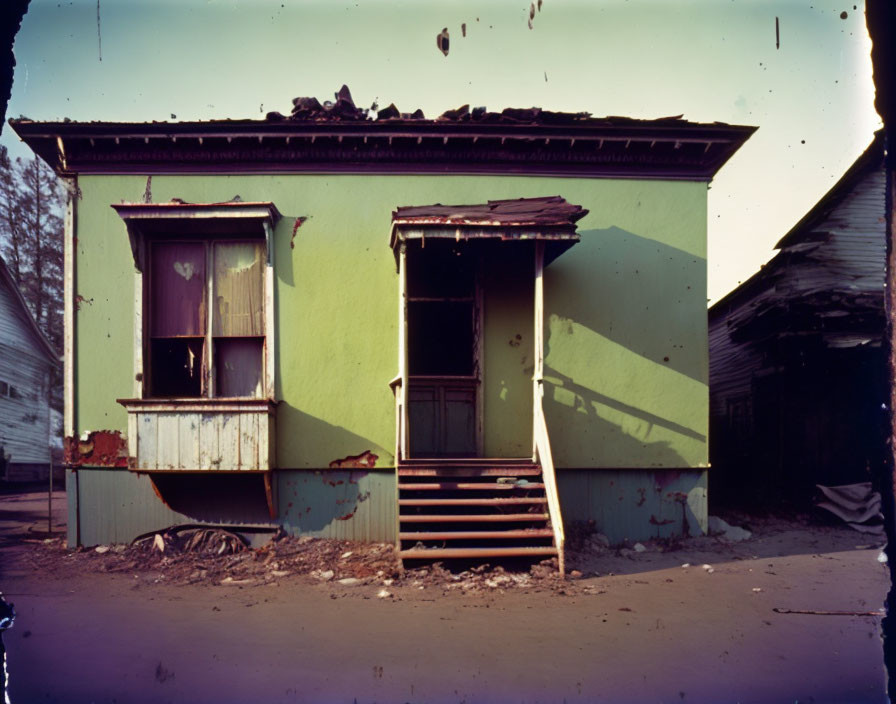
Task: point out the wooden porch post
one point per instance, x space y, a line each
403 348
538 351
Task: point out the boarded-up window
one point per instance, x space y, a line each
197 350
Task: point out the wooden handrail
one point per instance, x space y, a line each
543 455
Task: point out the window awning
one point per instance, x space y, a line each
179 218
551 219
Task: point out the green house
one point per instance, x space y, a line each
460 334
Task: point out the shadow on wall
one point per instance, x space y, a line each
307 442
643 295
215 497
574 408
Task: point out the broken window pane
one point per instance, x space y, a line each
441 269
176 367
239 291
177 289
238 366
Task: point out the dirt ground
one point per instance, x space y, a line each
299 620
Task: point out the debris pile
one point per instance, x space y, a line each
343 109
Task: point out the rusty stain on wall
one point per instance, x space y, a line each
366 460
295 228
98 448
360 500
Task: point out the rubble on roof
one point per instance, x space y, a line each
545 211
345 110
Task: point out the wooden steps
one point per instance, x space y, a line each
472 509
476 553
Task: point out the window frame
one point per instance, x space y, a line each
209 362
177 221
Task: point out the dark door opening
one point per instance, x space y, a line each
443 339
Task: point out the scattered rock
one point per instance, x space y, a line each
345 555
102 549
575 574
158 542
349 581
726 531
279 573
638 547
757 589
231 582
383 594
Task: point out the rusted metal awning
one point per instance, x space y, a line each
551 219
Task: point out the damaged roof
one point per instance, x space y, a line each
338 136
829 273
549 211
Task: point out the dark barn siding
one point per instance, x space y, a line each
797 377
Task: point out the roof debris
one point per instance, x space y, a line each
546 211
442 41
345 110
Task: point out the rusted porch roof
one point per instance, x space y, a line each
549 211
549 218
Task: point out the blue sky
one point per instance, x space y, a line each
707 59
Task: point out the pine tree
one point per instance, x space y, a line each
31 241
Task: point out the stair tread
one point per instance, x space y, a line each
473 502
473 518
468 486
471 461
429 553
454 471
477 534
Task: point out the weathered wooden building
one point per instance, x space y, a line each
27 362
287 328
797 368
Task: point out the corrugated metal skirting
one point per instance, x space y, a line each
116 505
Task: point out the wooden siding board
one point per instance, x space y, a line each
24 422
147 443
167 438
188 440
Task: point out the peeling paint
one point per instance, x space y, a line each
366 460
664 478
361 499
98 448
295 228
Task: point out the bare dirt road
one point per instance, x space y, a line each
114 628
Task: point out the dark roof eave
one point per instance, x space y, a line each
69 147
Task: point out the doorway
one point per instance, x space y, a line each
444 349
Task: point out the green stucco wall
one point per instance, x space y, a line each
626 361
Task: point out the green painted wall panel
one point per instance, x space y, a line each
508 301
626 315
635 504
